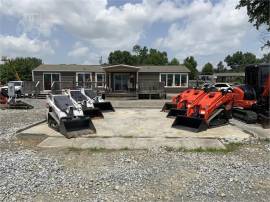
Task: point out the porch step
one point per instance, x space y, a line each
124 96
42 96
121 98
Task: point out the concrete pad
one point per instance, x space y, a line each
118 143
42 129
156 104
153 123
255 129
139 129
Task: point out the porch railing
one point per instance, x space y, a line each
58 87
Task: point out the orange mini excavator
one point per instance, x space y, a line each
251 101
173 104
188 97
213 109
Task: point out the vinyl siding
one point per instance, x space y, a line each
148 77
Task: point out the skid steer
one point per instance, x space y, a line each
212 110
67 118
170 105
188 97
251 102
77 97
97 100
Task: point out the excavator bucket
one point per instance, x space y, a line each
193 124
175 112
247 116
167 106
93 113
104 106
72 128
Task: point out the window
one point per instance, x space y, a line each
49 79
177 79
169 79
174 79
100 79
163 78
82 78
184 80
220 85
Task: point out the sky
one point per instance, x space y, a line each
82 31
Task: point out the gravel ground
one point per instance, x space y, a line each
31 174
13 120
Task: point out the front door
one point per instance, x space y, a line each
49 78
121 81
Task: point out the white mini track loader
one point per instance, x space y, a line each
87 104
97 100
67 118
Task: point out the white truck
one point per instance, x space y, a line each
18 88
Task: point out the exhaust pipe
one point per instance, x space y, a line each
167 106
104 106
175 112
193 124
76 127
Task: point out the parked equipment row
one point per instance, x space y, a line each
198 109
70 113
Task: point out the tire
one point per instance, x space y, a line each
19 94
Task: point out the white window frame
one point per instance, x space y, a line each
173 84
103 81
83 76
51 73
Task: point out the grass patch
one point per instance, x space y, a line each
96 149
233 146
228 148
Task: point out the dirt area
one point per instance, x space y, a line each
29 173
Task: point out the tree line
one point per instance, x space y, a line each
139 56
21 66
144 56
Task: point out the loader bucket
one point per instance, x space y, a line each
93 113
76 127
193 124
175 112
104 106
167 106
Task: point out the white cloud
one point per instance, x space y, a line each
83 53
23 46
217 29
79 50
197 27
104 27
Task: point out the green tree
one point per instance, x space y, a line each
191 64
23 67
174 61
121 57
142 56
220 67
156 57
258 12
136 49
265 58
239 60
208 69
